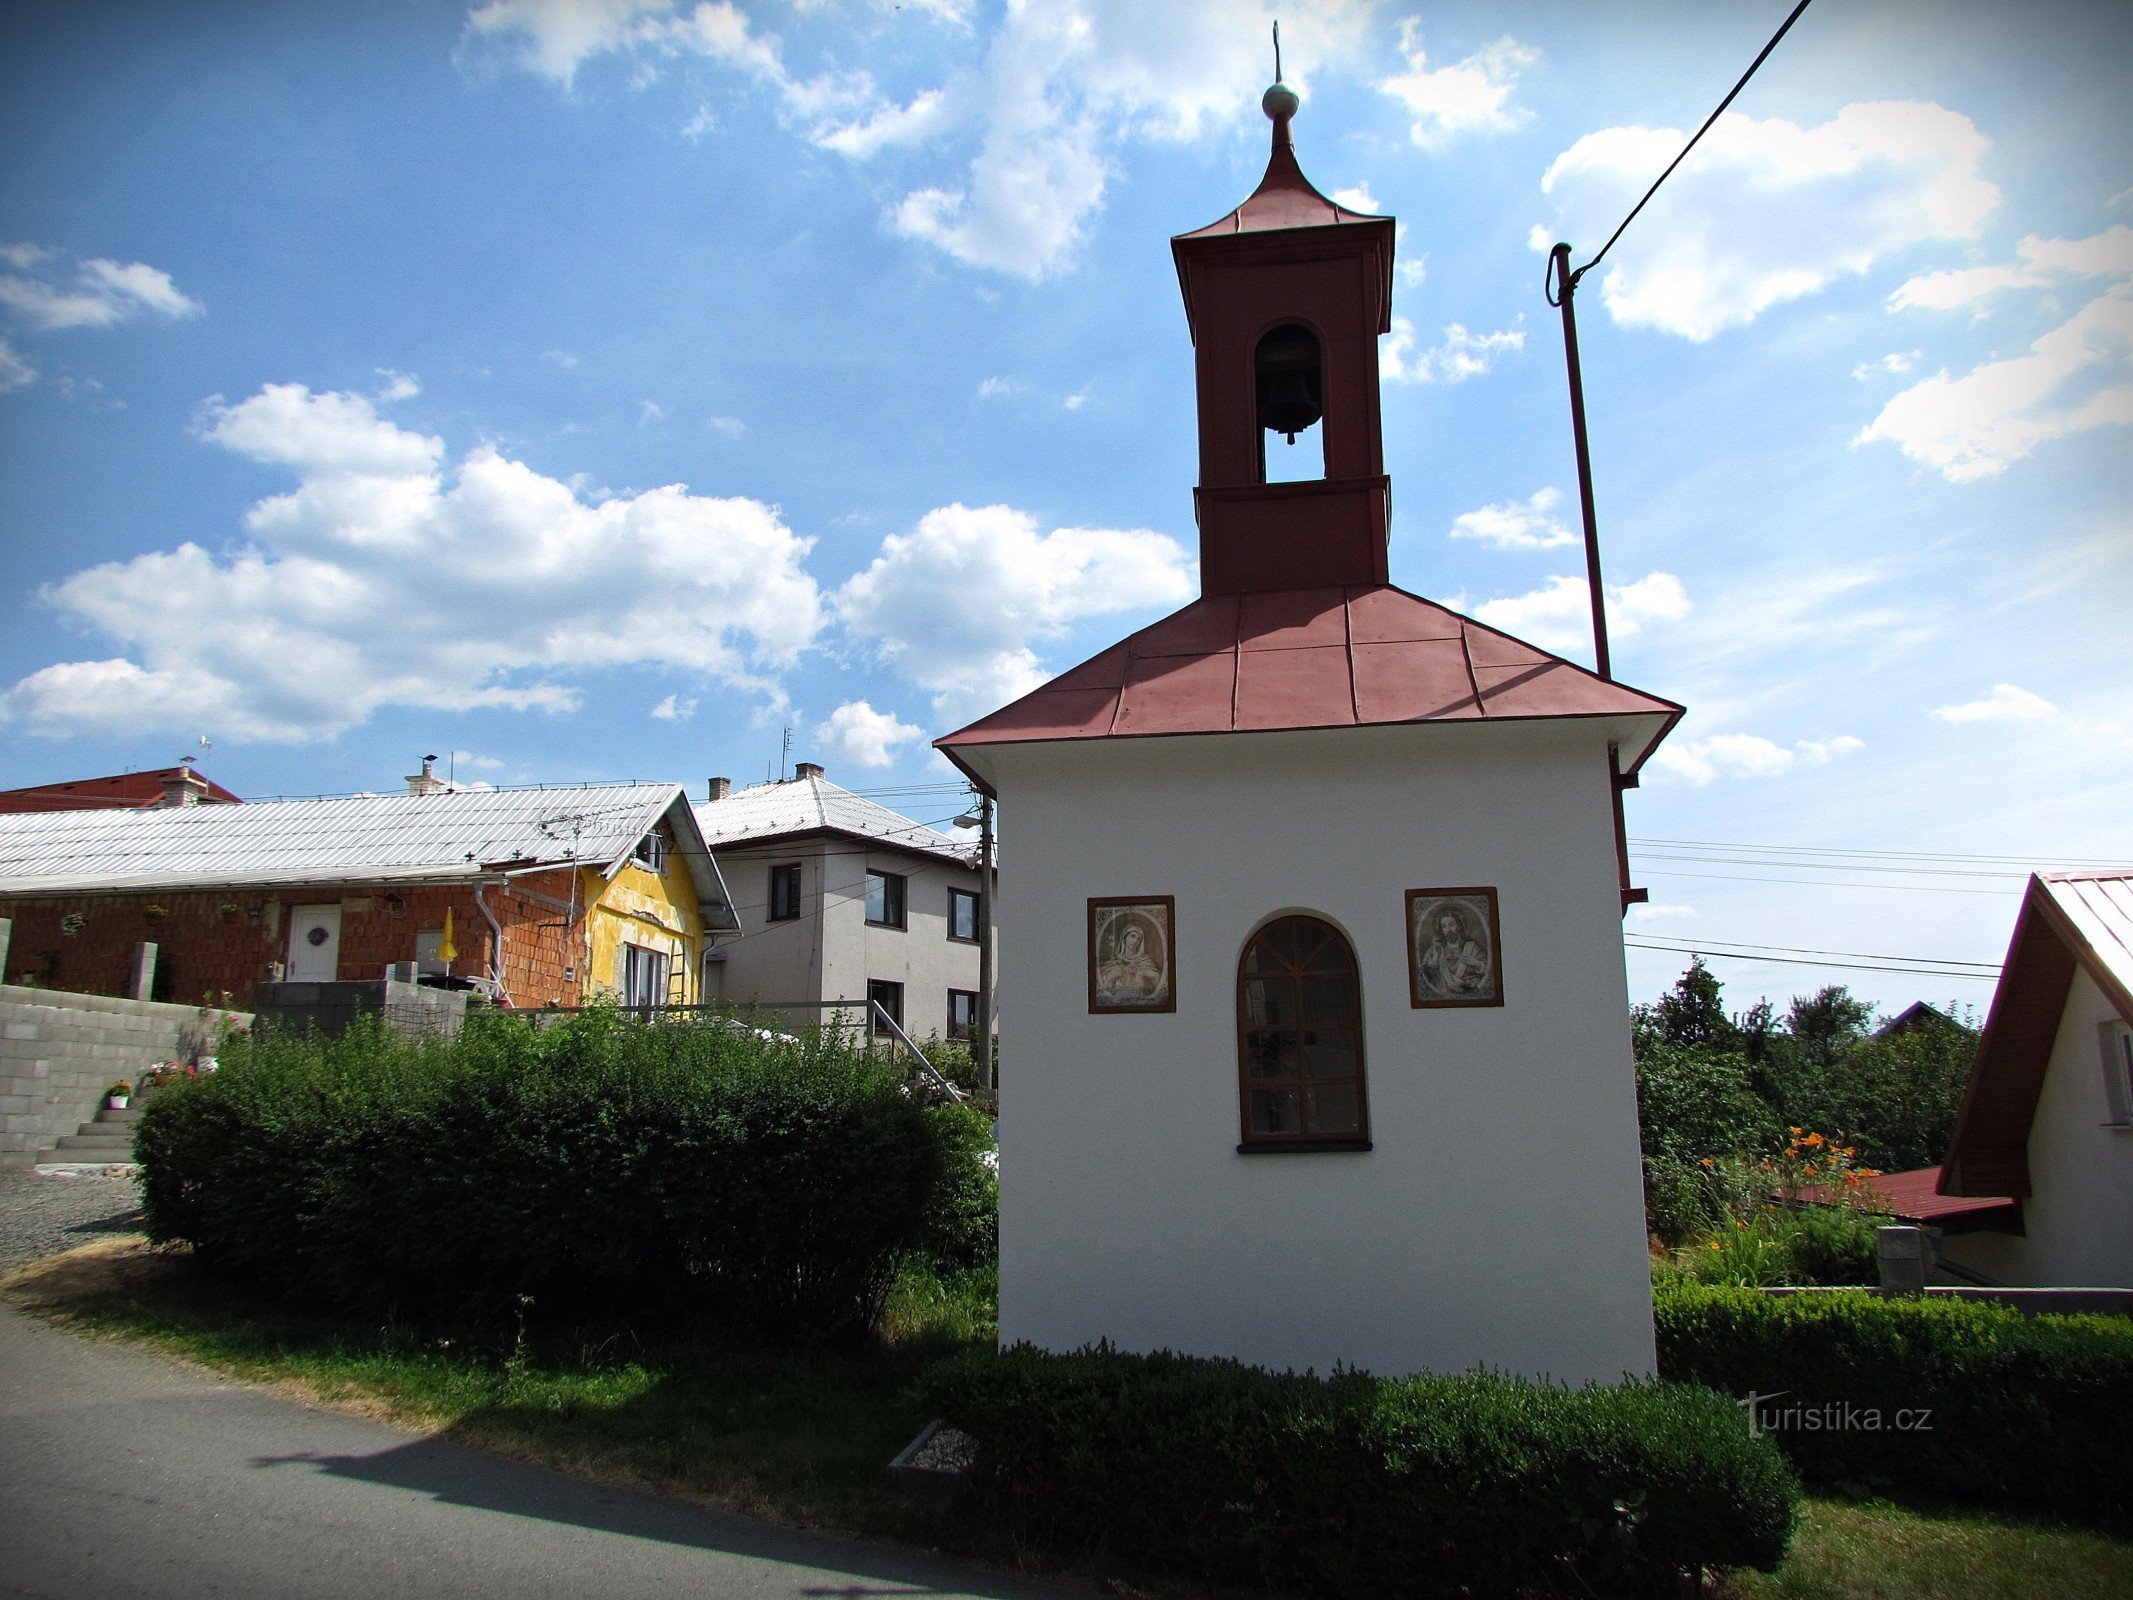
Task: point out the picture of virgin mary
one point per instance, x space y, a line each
1129 955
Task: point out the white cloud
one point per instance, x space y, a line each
397 386
2006 703
15 373
1528 524
1896 363
995 388
2076 377
1076 400
1558 615
1027 131
1461 356
1473 94
384 579
2043 262
857 732
731 427
97 295
958 604
1743 755
674 709
1413 272
1358 198
650 411
1765 211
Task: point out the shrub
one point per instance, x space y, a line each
1353 1485
1830 1245
2018 1410
601 1166
963 1219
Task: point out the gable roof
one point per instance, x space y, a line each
1372 655
349 839
810 804
120 789
2067 920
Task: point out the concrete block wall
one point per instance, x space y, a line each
60 1051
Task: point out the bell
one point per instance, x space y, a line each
1288 401
1286 370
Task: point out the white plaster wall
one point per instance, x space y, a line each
1499 1218
2079 1221
829 952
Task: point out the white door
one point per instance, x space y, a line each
314 944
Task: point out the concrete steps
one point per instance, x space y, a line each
106 1142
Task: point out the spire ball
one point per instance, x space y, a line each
1279 102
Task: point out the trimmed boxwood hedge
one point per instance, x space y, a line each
2027 1411
1355 1485
599 1167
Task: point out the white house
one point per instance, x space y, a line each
2047 1119
1322 1053
840 898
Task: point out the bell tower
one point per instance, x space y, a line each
1286 297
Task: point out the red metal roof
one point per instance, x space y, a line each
1284 199
1310 658
1915 1197
120 790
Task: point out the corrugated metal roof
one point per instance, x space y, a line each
381 838
2100 906
813 804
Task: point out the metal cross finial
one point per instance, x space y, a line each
1277 50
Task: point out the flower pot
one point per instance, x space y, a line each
118 1102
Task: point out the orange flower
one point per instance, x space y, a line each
1707 1161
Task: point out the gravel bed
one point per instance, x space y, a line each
43 1213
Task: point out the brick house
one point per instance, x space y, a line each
552 894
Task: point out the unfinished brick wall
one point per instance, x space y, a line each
216 942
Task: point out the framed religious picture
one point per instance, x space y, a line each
1132 956
1454 951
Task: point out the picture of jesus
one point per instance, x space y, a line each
1452 948
1130 955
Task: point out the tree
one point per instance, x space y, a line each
1692 1012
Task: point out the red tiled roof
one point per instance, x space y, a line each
120 790
1311 658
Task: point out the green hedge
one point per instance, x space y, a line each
2026 1411
1354 1485
600 1167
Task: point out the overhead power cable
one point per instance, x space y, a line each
1636 943
1685 149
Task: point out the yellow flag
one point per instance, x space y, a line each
447 952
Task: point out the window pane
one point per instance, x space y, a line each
1329 1053
1270 1055
1274 950
1270 1002
877 897
1274 1111
962 914
1335 1110
1328 1000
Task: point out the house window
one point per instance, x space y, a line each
1300 1040
652 849
885 899
785 891
641 975
962 1014
2118 1072
963 916
890 998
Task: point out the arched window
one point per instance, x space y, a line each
1288 387
1300 1039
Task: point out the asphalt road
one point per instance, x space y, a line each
124 1475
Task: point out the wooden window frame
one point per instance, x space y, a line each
653 851
976 914
970 1029
1304 1140
902 897
778 870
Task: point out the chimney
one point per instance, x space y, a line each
426 781
806 769
720 788
182 786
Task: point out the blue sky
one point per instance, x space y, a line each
596 389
